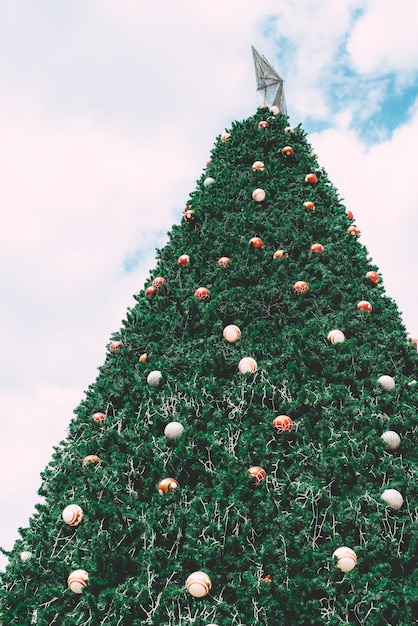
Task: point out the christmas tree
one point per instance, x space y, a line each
246 453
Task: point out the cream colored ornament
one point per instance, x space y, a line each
25 556
78 580
391 439
258 166
154 378
247 365
198 584
225 136
393 498
259 195
336 336
231 333
174 430
386 382
346 558
288 129
208 181
72 514
274 110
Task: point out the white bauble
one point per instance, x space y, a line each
393 498
208 181
336 336
231 333
154 378
247 365
72 514
77 580
386 382
346 558
391 439
25 555
174 430
198 584
259 195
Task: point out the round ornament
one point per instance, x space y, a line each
386 382
198 584
311 179
25 556
225 136
258 473
288 151
336 336
259 195
346 558
393 498
280 254
91 458
72 514
283 423
78 580
150 291
263 124
154 378
114 346
274 110
231 333
189 215
300 286
258 166
224 261
183 259
202 293
98 417
363 305
158 281
143 357
174 430
166 485
247 365
317 247
350 215
208 181
256 242
288 129
391 439
353 230
309 206
373 277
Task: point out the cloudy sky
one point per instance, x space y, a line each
108 112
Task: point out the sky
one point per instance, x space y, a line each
108 113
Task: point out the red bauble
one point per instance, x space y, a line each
189 215
353 230
202 293
143 357
317 247
258 166
288 151
224 261
98 417
373 277
311 179
350 215
263 124
300 286
309 206
184 259
225 136
363 305
150 291
256 242
166 485
114 346
282 423
257 472
280 254
91 458
157 282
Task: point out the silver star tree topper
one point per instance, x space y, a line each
269 83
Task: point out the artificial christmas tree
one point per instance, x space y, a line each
237 460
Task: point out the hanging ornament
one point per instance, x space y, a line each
386 382
317 247
208 181
78 580
91 458
174 430
258 166
280 254
311 179
350 215
258 473
183 259
114 346
283 423
202 293
150 291
391 439
263 124
154 378
98 417
288 151
143 357
225 136
72 514
266 579
353 230
363 305
198 584
224 261
346 558
25 556
274 110
373 277
157 282
256 242
166 485
300 286
189 215
288 129
319 172
259 195
309 206
247 365
393 498
336 336
231 333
